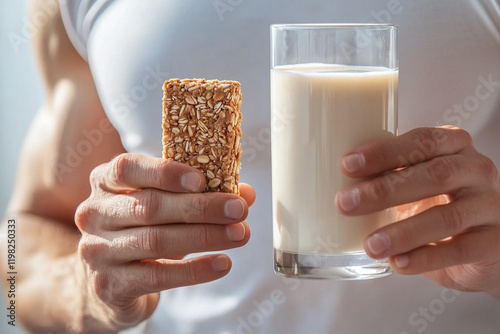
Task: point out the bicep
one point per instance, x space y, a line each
69 136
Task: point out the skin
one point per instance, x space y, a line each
101 241
448 194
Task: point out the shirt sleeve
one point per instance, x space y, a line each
78 18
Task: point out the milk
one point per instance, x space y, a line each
319 113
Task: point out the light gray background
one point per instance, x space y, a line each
21 94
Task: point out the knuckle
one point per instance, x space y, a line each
464 135
453 218
379 189
197 207
159 173
84 215
91 250
459 137
387 153
94 177
426 141
192 276
441 171
148 241
404 235
144 206
155 279
162 173
487 167
202 236
119 168
103 287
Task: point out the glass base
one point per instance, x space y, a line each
356 266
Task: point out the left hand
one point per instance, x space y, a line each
455 242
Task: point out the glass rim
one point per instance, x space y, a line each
299 26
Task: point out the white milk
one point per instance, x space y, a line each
319 113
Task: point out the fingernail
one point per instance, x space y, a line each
353 162
220 263
234 209
348 199
191 181
402 261
378 243
235 232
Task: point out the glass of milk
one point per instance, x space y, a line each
333 88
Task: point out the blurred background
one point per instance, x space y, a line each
21 93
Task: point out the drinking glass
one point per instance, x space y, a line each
333 88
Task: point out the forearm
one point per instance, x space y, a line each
52 291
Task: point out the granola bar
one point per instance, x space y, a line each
201 127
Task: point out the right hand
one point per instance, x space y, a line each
143 216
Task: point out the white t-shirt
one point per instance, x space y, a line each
449 74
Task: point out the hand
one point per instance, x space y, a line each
143 216
455 242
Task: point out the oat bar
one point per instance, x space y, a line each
201 127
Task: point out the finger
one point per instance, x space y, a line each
405 150
435 224
466 248
486 271
154 207
155 242
130 172
147 277
441 175
248 193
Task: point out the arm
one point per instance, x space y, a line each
101 237
49 186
